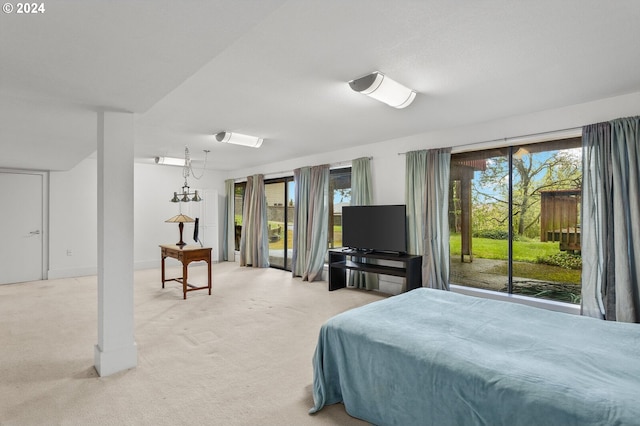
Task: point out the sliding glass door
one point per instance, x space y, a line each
514 217
280 207
339 196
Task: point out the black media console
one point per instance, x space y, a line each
342 259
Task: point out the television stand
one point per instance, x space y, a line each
340 261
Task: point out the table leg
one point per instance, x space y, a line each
162 271
209 265
184 279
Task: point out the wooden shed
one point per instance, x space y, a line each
560 217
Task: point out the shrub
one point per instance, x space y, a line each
564 260
493 234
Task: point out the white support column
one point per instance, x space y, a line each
116 349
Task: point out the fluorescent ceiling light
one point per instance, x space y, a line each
170 161
239 139
380 87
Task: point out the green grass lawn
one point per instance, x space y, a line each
525 255
523 251
337 237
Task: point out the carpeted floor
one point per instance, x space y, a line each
241 356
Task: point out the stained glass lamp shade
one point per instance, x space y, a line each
180 219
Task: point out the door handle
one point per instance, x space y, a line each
36 232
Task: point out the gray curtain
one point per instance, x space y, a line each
611 220
415 172
362 195
228 233
435 261
311 216
254 243
301 212
596 220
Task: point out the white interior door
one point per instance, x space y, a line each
21 227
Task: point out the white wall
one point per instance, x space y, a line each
73 212
73 216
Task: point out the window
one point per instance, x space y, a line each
514 217
339 195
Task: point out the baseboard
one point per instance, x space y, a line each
149 264
111 362
54 274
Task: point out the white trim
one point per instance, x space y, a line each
114 361
54 274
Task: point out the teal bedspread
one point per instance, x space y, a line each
431 357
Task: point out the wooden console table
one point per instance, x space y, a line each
186 255
342 259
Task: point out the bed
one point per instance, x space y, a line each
432 357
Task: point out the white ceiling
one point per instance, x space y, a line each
278 69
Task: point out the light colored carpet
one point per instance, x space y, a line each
241 356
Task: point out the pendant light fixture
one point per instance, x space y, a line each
184 195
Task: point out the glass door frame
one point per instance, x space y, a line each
286 180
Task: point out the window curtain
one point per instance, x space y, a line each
362 195
435 261
254 244
611 220
416 170
311 216
301 212
228 233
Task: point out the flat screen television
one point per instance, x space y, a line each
380 228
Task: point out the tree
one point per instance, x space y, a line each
344 193
532 173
